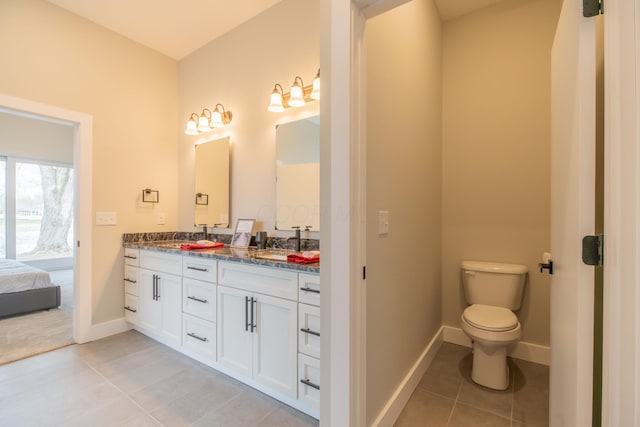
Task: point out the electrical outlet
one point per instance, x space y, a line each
160 218
106 218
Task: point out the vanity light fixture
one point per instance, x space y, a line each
297 97
192 125
208 120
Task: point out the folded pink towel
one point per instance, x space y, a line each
189 246
301 259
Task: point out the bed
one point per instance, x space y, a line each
24 289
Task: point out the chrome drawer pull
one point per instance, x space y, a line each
309 331
197 268
315 291
131 257
129 280
204 301
192 335
310 384
130 309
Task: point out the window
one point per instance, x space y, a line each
38 201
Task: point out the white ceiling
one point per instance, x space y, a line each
173 27
178 27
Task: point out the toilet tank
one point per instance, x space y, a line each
493 283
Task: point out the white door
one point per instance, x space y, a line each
275 344
150 315
234 341
572 216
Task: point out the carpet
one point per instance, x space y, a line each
30 334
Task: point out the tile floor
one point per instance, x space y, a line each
446 396
130 380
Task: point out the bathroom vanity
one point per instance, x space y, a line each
254 319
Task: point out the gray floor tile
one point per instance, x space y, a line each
524 403
497 402
466 416
425 409
246 409
287 417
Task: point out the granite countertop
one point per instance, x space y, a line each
245 256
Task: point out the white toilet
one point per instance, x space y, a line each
493 291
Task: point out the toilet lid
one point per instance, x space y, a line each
490 318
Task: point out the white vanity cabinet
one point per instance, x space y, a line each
160 299
257 320
199 307
309 341
131 285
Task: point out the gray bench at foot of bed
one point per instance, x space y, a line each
26 301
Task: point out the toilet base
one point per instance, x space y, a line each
490 368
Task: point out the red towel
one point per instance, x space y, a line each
189 246
300 259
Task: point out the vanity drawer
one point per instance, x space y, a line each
199 336
309 289
264 280
309 381
131 285
199 299
131 308
162 262
199 268
131 257
309 330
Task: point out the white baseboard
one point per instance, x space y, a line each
400 397
106 329
521 350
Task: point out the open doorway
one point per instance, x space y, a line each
36 230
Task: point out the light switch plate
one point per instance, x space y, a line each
383 223
160 218
106 218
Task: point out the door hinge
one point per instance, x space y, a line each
593 250
592 8
364 272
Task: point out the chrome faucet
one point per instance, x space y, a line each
204 230
296 237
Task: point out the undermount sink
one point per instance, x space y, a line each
173 244
272 254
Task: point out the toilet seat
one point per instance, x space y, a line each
490 318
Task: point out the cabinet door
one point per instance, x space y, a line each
150 314
275 344
170 296
234 341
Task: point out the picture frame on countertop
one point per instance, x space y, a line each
242 236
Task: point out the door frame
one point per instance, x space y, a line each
82 164
621 323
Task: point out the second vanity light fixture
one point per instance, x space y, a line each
208 120
297 97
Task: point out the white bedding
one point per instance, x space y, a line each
16 276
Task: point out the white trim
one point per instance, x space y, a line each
82 163
398 400
621 325
522 350
106 329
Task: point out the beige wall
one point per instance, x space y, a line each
239 71
496 159
404 134
51 56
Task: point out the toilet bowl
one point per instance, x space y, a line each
492 330
494 291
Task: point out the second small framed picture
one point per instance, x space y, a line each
242 236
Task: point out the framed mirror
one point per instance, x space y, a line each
211 196
298 174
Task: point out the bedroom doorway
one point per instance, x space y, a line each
37 225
